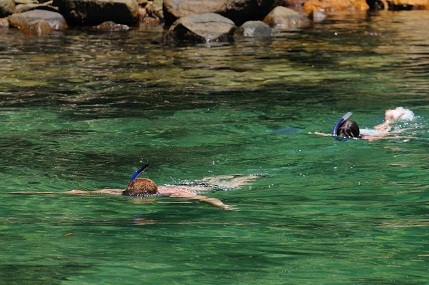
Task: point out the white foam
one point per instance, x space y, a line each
407 116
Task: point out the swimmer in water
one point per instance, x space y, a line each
144 187
345 128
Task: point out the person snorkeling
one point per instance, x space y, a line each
346 128
145 187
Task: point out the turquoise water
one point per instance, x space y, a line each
82 110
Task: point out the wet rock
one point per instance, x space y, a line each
112 27
4 23
254 29
154 9
33 6
407 4
318 15
377 4
238 11
206 28
39 22
95 12
335 5
282 18
7 7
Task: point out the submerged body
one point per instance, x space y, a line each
346 128
144 187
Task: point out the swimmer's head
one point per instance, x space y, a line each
345 117
141 187
348 129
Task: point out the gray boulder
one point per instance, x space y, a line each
254 29
7 7
205 28
238 11
95 12
37 22
282 18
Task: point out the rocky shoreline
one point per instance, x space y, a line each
185 20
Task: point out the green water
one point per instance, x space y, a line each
82 110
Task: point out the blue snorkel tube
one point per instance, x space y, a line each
134 176
339 122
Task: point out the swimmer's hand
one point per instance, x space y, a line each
230 208
213 201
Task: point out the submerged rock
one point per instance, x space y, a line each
254 29
112 27
238 11
39 22
407 4
95 12
208 27
7 7
282 18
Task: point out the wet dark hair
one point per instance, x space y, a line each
141 187
348 129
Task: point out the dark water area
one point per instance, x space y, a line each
82 110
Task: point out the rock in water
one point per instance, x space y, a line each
206 28
95 12
37 22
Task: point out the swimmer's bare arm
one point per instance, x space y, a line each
95 192
74 192
212 201
390 117
189 193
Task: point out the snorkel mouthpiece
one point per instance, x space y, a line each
138 172
338 123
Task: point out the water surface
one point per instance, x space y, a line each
83 109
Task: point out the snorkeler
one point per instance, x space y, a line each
144 187
346 128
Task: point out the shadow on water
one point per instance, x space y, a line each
38 274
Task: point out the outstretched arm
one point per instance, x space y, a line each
73 192
189 193
213 201
95 192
